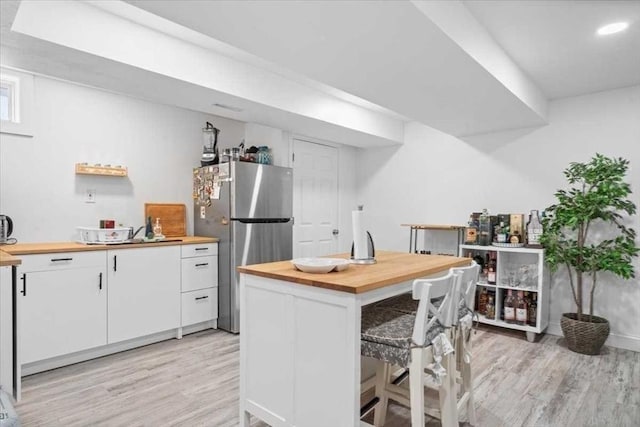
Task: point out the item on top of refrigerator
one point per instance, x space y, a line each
210 148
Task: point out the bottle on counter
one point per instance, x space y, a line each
484 229
534 230
521 309
157 228
148 231
509 308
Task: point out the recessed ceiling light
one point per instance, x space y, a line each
616 27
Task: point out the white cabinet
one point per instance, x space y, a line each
518 269
62 304
144 291
199 283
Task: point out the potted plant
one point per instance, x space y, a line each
595 203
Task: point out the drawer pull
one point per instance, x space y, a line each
61 259
203 264
100 282
204 297
115 263
202 249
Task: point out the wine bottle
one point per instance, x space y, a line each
521 309
491 273
471 232
501 233
482 301
534 230
509 308
533 310
490 308
484 237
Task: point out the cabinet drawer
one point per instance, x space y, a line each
204 249
62 261
199 306
199 273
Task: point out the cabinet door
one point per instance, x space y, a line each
144 291
6 328
61 312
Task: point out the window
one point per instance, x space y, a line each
16 102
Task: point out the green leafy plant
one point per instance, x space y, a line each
598 195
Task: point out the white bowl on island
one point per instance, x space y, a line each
320 265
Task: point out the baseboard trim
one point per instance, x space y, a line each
93 353
625 342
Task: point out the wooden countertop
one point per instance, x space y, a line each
8 260
57 247
391 268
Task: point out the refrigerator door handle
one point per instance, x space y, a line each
262 220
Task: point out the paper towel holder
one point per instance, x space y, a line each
371 253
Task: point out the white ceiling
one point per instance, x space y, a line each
347 71
555 42
387 52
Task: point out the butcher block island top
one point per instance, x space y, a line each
7 260
391 268
58 247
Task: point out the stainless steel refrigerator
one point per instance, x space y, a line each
249 207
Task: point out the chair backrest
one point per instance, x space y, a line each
468 284
426 290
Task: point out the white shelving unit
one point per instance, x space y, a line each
520 269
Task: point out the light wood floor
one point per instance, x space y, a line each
194 382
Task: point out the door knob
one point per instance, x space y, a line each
335 232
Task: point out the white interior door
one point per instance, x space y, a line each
315 199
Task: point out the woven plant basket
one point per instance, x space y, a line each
584 336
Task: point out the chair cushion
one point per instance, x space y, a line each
386 334
394 355
405 303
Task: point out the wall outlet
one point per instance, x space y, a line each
203 212
90 196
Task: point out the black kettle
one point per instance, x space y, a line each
6 228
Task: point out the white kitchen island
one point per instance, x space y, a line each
300 336
7 272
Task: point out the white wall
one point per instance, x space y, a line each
159 144
436 178
348 197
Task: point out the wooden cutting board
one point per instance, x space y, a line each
172 216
